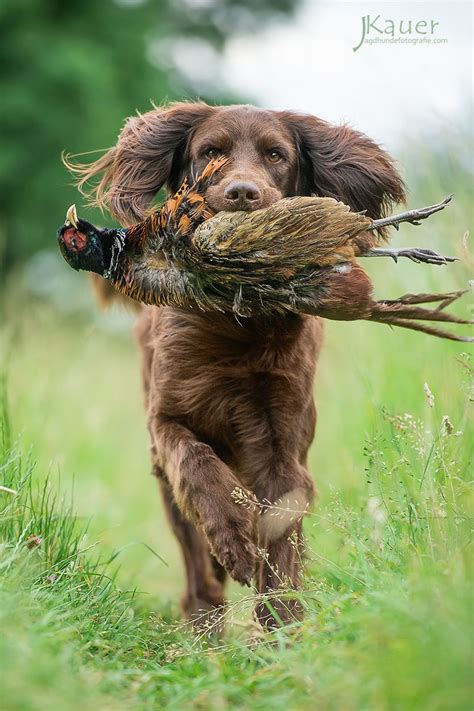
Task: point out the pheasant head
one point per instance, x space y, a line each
86 247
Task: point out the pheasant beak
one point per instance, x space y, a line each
71 216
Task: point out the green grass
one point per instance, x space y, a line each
90 575
387 593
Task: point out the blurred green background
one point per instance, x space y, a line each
70 74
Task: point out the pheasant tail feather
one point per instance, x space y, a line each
406 313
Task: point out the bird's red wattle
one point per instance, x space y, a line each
74 240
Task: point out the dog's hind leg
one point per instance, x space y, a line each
203 600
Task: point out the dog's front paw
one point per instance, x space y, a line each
233 544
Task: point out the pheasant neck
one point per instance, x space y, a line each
113 243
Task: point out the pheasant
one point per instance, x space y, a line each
299 254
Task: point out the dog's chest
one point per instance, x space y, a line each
226 381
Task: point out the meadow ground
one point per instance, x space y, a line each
90 575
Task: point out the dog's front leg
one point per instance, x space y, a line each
202 487
286 497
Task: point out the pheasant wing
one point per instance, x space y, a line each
292 234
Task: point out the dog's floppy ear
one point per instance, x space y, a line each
150 152
339 162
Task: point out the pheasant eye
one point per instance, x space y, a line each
274 156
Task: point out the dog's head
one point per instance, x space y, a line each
271 154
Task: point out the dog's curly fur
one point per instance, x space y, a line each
230 405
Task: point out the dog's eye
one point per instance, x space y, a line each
211 153
274 156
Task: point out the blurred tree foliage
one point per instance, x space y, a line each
70 74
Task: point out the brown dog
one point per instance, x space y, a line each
230 405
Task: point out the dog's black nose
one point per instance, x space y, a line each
241 194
